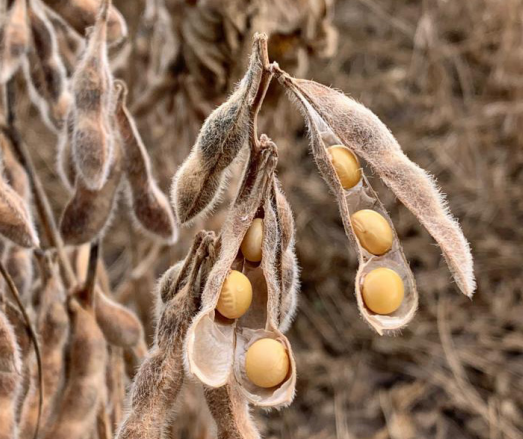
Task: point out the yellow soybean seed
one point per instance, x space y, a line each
346 165
373 231
267 363
383 290
236 296
252 242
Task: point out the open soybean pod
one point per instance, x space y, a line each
92 86
11 378
44 70
201 179
81 15
150 206
231 337
159 380
70 43
89 211
14 39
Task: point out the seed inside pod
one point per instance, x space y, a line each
236 296
251 246
346 165
267 363
383 290
373 231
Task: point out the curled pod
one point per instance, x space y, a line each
119 325
10 378
84 389
70 43
150 206
14 39
15 219
201 179
89 211
45 72
92 137
160 377
81 15
362 131
52 323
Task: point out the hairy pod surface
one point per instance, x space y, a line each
45 72
358 198
150 206
89 211
201 179
81 15
14 39
92 136
10 379
362 131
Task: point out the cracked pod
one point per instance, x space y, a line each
334 119
211 332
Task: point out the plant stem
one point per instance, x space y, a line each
32 335
42 203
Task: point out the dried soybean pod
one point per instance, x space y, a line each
150 206
160 377
70 43
209 332
201 179
89 211
53 327
19 264
81 15
10 379
15 220
65 165
119 325
230 410
360 197
92 139
14 39
366 135
85 387
45 72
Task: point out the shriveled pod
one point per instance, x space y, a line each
84 390
150 206
15 219
159 380
210 331
52 323
10 378
70 43
89 211
81 15
14 39
92 140
362 131
202 177
44 70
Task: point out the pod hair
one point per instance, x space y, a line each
199 182
150 207
92 140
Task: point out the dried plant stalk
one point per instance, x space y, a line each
92 137
14 39
150 207
361 130
230 410
81 15
160 377
10 379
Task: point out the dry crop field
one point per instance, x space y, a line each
261 218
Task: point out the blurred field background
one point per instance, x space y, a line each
447 78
